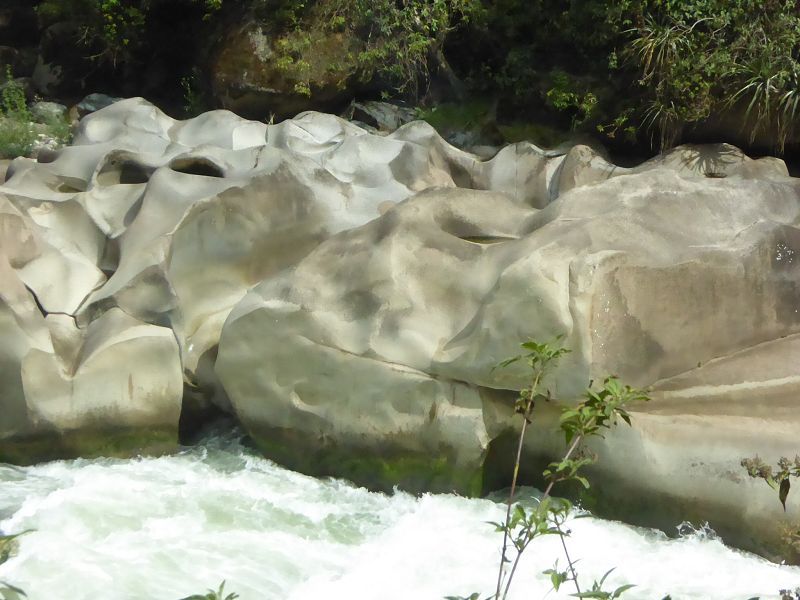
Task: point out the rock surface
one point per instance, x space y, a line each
258 74
347 295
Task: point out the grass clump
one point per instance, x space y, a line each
19 131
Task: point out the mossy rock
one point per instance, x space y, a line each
261 74
376 469
117 443
476 116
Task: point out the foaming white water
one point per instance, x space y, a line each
161 529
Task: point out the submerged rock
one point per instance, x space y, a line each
347 296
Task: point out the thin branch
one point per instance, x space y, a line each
571 564
534 386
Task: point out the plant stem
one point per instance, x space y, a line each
575 443
569 560
513 570
508 512
572 449
528 405
546 494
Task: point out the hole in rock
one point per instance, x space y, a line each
9 172
110 260
68 188
498 466
197 414
204 400
486 239
126 172
470 232
196 166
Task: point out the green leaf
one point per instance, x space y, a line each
783 493
622 589
506 362
10 592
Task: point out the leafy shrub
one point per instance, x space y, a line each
705 56
194 100
17 138
112 31
780 478
389 40
601 409
646 65
17 133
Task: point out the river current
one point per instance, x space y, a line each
164 528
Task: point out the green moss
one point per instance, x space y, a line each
375 469
476 116
540 134
462 116
120 443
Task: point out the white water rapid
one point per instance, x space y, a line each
164 528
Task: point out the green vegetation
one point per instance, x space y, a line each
17 133
10 592
601 409
703 57
437 472
194 100
780 479
647 72
8 544
112 30
356 42
18 130
655 66
117 443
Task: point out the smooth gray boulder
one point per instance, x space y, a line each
172 222
649 274
113 389
197 212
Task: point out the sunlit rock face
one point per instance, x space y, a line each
153 229
347 295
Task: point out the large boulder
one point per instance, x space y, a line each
170 223
111 388
347 295
259 72
666 275
197 212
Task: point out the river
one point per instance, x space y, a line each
163 528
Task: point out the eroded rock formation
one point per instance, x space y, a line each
346 295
